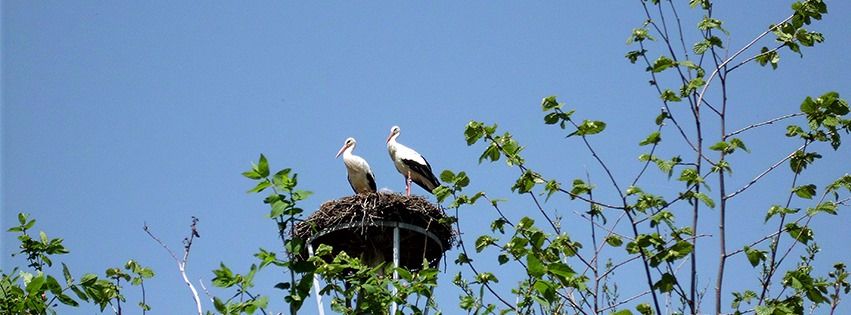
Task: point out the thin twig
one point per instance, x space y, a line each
630 299
767 122
758 177
754 57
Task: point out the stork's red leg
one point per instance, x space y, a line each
408 185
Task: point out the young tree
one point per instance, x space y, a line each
646 249
637 234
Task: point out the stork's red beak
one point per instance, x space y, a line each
341 150
390 136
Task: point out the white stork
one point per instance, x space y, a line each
360 176
410 164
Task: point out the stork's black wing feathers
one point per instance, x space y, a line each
425 170
371 180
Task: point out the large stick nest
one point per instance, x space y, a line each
349 224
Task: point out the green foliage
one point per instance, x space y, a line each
826 119
701 47
755 256
373 286
557 268
560 276
776 209
36 292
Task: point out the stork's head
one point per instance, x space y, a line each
350 143
394 131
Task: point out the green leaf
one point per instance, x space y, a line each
67 300
634 55
492 153
720 146
661 216
706 200
53 285
278 208
550 103
670 96
653 138
534 266
220 305
614 240
442 192
702 46
502 259
461 180
661 118
67 274
262 166
486 277
547 290
484 241
252 174
644 309
282 286
754 255
260 186
580 187
738 143
690 176
88 279
525 223
447 176
35 284
473 132
551 118
589 127
661 64
767 56
622 312
828 207
800 160
805 191
711 23
801 234
639 35
777 209
561 270
666 283
693 85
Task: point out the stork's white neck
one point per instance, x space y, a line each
348 152
392 139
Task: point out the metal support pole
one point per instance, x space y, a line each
393 306
316 284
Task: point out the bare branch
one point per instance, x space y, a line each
767 122
758 177
630 299
181 263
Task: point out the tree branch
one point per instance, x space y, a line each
181 263
767 122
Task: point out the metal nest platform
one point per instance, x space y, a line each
363 226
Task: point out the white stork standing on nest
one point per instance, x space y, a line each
410 164
360 176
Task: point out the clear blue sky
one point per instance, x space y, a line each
117 114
